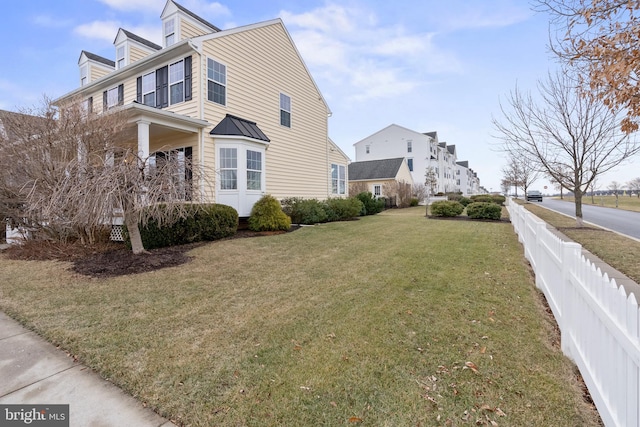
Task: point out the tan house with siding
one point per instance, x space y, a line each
240 102
388 178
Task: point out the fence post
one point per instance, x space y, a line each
571 255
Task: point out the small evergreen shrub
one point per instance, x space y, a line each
486 198
267 215
414 202
464 201
498 199
484 210
446 208
341 209
202 222
458 197
305 211
371 205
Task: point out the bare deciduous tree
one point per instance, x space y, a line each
400 190
599 38
65 172
634 186
356 188
615 188
573 138
520 173
419 191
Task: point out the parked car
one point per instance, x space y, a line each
534 196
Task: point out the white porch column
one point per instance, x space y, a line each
143 139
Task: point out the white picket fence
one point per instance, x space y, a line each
599 322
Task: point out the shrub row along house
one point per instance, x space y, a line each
419 151
238 102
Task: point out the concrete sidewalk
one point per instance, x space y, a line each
33 371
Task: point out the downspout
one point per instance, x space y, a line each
328 167
201 116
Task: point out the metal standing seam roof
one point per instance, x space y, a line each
236 126
141 40
375 169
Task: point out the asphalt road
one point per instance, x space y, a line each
624 222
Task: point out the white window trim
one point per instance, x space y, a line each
84 70
153 89
379 190
169 83
125 54
110 98
220 168
226 93
280 109
261 171
176 24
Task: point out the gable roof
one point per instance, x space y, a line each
452 149
391 126
433 135
464 164
194 16
140 40
236 126
375 169
97 58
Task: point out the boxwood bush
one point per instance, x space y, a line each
489 198
446 208
484 210
267 215
371 205
202 222
305 211
341 209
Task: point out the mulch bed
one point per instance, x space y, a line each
115 259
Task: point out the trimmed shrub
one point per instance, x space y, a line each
371 205
484 210
267 215
446 208
458 197
305 211
342 209
414 202
486 198
202 222
498 199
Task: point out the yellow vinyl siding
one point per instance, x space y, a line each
97 73
188 30
135 54
262 63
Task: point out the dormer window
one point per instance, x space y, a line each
169 32
84 75
120 60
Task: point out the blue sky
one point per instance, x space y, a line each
428 66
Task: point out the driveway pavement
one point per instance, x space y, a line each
33 371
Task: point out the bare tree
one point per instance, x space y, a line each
419 191
573 138
599 39
505 186
356 188
430 183
520 173
615 188
634 185
72 170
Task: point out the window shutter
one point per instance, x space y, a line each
90 105
187 78
121 94
139 89
104 101
162 87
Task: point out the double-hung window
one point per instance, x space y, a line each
216 82
228 168
410 164
285 110
120 60
84 74
149 89
338 179
113 97
254 170
169 33
377 190
409 146
176 82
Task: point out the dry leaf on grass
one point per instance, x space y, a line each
472 366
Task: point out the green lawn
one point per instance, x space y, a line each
392 320
624 202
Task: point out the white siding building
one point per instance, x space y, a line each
421 151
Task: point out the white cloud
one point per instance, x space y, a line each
153 5
474 15
362 59
49 21
107 31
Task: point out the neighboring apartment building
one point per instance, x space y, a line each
240 101
421 151
467 180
